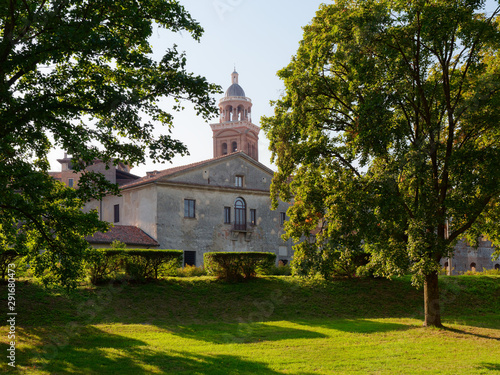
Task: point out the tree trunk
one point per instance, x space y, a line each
431 299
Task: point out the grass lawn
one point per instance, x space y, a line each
274 325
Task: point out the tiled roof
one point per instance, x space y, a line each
56 175
128 234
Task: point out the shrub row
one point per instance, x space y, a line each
232 266
138 264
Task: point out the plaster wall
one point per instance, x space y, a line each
224 172
207 230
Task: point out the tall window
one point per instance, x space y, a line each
116 213
234 147
238 181
70 182
240 214
224 148
253 216
227 215
189 208
282 218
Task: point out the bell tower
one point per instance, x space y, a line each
235 131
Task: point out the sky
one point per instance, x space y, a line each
256 37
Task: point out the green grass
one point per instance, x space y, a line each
274 325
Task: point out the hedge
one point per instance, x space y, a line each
104 264
234 266
145 264
138 264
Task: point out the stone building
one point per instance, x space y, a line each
220 204
467 258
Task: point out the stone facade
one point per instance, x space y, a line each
467 258
158 205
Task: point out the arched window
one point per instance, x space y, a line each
234 147
497 266
224 148
240 214
473 266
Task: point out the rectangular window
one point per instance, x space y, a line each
227 215
282 218
189 258
238 181
70 182
253 216
189 207
116 213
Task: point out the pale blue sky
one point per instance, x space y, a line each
257 37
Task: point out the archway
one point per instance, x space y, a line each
240 214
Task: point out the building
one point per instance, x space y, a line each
220 204
467 258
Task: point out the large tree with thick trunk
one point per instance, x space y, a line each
387 135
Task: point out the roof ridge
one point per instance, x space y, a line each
155 175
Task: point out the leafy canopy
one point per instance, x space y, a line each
79 75
387 136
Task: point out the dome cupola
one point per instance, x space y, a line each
235 131
235 89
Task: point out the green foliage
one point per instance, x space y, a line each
387 134
280 270
310 260
104 264
80 76
7 256
234 266
149 264
190 271
137 264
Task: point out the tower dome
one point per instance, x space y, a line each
235 89
235 131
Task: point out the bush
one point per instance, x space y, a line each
234 266
191 271
103 264
138 264
280 270
148 264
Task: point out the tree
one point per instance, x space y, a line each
387 136
79 75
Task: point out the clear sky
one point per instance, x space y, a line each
257 37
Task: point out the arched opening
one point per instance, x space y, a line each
234 147
473 267
224 148
497 266
240 214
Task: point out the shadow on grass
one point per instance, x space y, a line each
242 332
97 352
357 325
491 366
474 334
